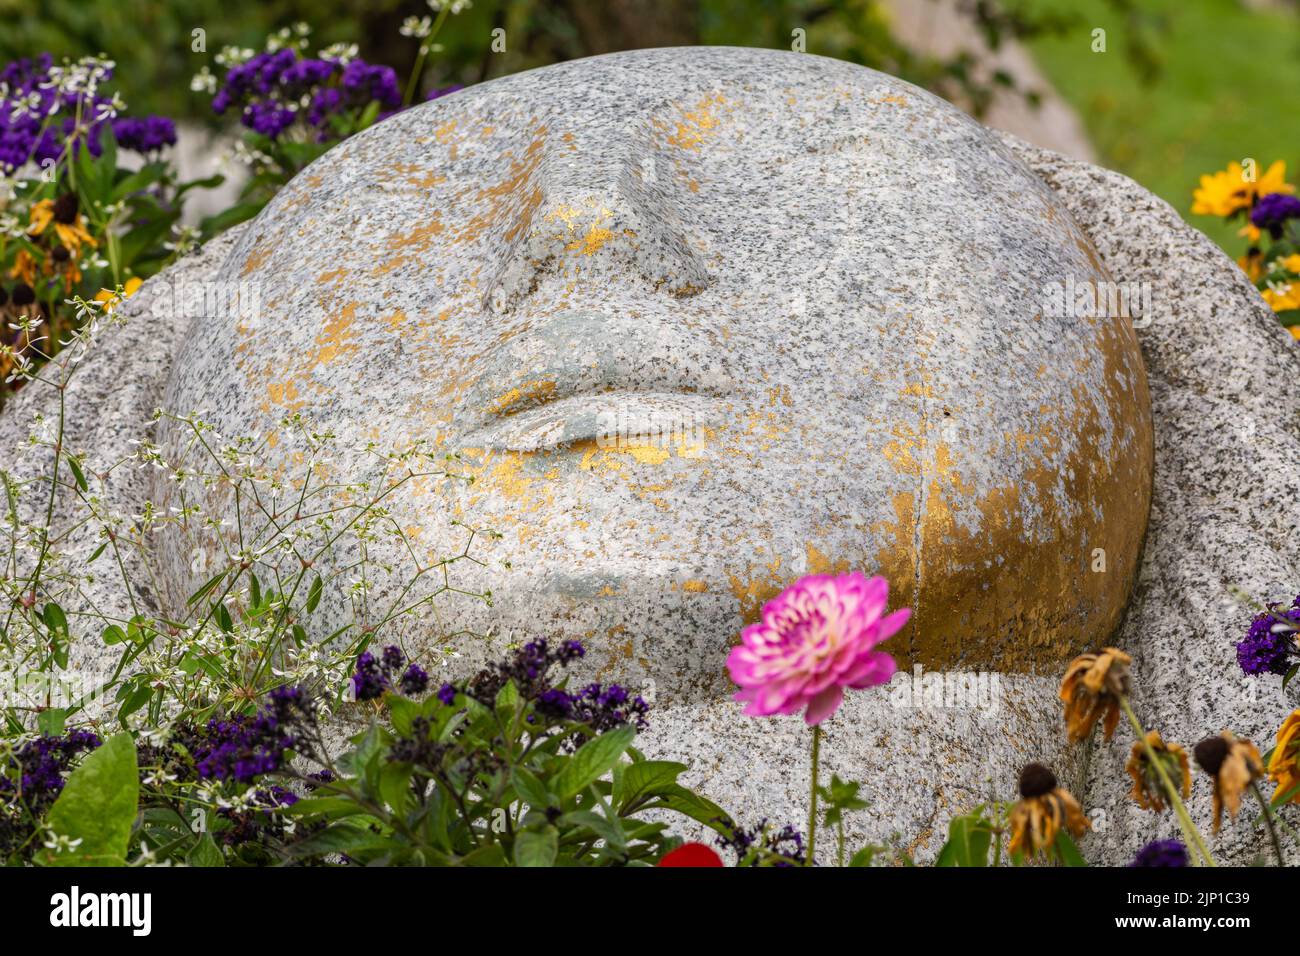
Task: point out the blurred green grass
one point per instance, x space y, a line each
1227 89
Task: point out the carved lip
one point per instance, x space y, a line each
613 419
589 376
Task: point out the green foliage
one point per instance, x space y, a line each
97 808
466 784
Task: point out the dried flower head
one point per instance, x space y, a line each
1148 791
1284 765
1091 690
1044 809
1234 764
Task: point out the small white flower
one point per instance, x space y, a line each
204 81
417 27
342 53
59 842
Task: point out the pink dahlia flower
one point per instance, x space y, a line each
816 638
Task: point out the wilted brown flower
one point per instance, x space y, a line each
1091 689
1148 790
1043 809
1284 766
1234 764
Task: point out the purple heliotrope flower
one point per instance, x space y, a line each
243 748
414 681
369 680
1161 853
1273 210
816 638
268 118
366 82
373 676
146 134
37 120
1269 647
273 90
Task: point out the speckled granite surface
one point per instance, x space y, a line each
806 264
1226 502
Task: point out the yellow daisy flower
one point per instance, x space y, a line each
1225 192
67 221
24 268
1281 298
1252 263
107 297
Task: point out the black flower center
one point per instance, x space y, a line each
65 209
1210 754
1036 780
23 294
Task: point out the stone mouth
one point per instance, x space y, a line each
610 420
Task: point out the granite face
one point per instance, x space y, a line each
825 293
693 329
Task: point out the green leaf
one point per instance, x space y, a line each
529 788
593 760
645 778
77 473
54 617
395 787
403 712
603 827
864 856
493 854
222 615
113 635
326 808
506 705
1069 853
50 722
369 115
133 697
691 804
314 593
98 806
537 847
205 853
968 843
1285 796
57 622
202 592
344 837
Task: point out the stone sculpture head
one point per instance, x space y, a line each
821 290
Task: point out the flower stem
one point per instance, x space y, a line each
1190 833
812 802
1268 821
426 44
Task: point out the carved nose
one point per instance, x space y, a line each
600 218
